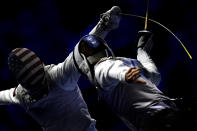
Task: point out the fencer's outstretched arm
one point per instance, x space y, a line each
8 97
144 46
108 21
65 74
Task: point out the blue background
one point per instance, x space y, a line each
51 28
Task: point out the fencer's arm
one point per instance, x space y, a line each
99 30
149 65
110 73
8 97
108 21
65 74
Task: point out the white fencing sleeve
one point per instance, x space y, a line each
65 74
99 30
149 65
8 97
109 73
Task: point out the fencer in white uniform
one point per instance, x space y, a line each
49 94
128 86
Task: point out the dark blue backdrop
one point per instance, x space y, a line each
51 28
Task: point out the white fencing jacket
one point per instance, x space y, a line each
124 98
64 108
